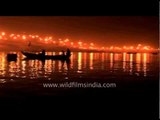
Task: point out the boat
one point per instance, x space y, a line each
30 55
131 52
11 57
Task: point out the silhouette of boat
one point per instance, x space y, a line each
131 52
33 56
11 57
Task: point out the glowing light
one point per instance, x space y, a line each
138 60
66 40
124 47
111 60
79 61
145 48
131 47
91 44
91 61
50 37
11 35
111 47
15 37
3 33
139 45
131 57
54 42
124 56
72 43
80 43
33 37
23 37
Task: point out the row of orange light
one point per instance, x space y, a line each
46 40
67 42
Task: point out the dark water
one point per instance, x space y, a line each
97 66
135 75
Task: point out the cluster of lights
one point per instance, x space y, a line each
71 44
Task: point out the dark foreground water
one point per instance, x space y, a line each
135 79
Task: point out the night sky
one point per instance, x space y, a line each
103 30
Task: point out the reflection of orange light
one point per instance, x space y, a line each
138 60
131 57
79 61
91 61
144 57
116 57
145 63
111 60
138 57
124 56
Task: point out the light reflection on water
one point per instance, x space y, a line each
140 63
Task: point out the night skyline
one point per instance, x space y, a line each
102 30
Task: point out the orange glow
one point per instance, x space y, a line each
23 37
145 64
91 61
79 61
50 37
111 47
15 37
91 44
11 35
66 40
131 57
3 33
124 56
138 61
145 48
139 45
131 47
111 60
33 37
79 44
72 43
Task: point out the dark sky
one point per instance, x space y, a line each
103 30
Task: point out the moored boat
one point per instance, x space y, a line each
40 56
